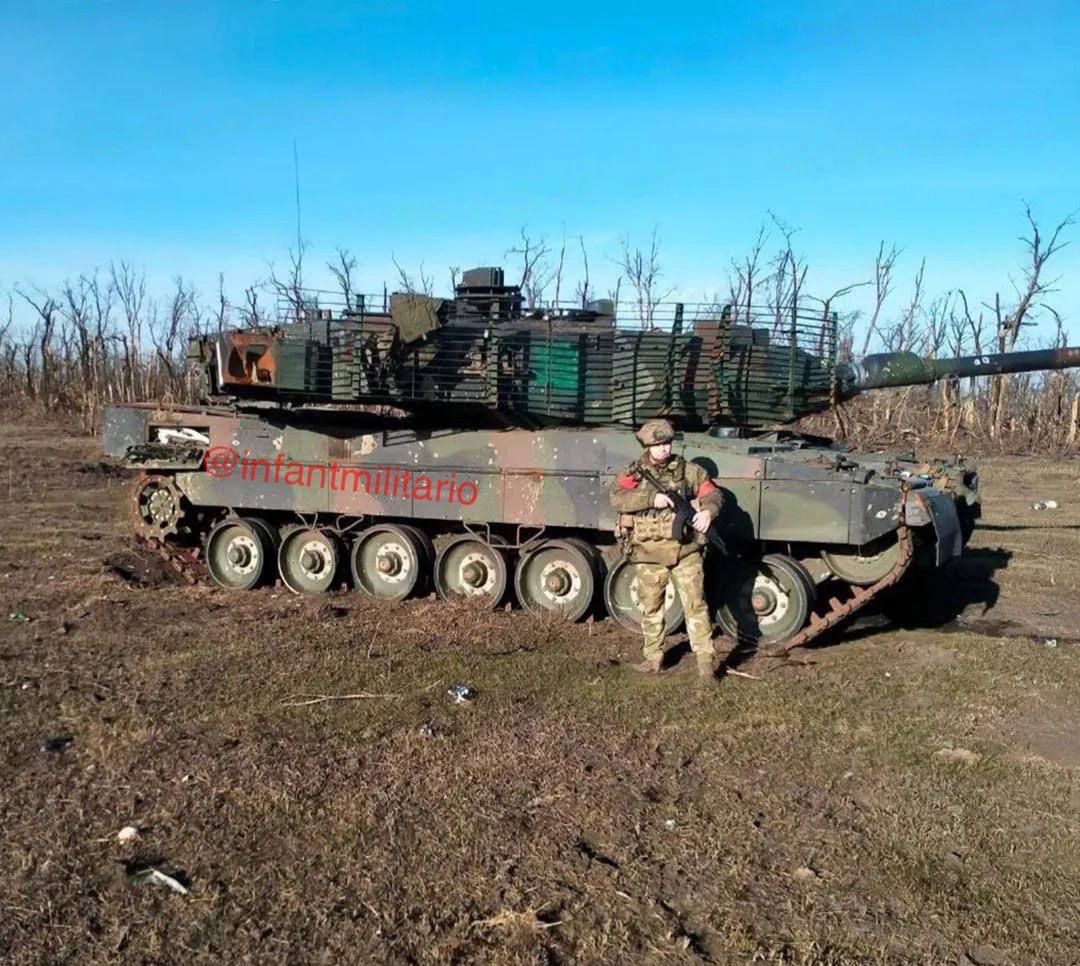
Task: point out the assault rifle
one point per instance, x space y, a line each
684 514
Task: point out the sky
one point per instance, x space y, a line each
162 133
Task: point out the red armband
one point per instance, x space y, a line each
628 482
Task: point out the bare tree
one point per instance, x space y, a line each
748 275
884 264
422 284
289 288
76 311
583 291
221 317
342 269
559 269
6 327
845 326
1034 286
1029 292
937 324
47 309
172 329
130 288
536 274
251 313
643 271
975 326
900 336
786 281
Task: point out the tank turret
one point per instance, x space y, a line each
484 359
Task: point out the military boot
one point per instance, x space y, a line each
650 664
706 668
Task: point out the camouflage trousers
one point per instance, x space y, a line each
689 577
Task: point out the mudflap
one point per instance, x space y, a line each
927 506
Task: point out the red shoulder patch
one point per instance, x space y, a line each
628 481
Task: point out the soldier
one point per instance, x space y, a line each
648 514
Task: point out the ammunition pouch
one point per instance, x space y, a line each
652 525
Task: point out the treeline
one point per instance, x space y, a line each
102 338
98 340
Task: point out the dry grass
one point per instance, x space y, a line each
573 813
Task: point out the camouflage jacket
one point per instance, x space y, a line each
649 530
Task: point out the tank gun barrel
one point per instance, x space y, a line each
890 369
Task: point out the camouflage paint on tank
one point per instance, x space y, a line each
553 478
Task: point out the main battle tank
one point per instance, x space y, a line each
468 445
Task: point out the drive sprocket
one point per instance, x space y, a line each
157 506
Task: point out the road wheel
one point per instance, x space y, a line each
240 552
623 603
558 575
308 560
471 567
391 562
765 601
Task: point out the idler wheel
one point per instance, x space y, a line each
471 567
239 551
308 560
391 561
864 565
764 601
559 575
624 604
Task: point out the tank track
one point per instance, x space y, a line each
860 596
186 561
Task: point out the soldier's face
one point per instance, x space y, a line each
660 452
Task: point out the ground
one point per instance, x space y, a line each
911 795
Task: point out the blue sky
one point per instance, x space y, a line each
162 132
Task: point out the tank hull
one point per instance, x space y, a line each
556 478
345 472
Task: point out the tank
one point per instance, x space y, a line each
467 446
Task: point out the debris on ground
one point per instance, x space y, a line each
57 742
806 873
985 956
461 693
19 617
141 569
157 877
1045 505
128 835
963 755
1050 641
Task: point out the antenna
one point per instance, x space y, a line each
296 174
298 261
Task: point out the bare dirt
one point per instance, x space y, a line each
910 796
